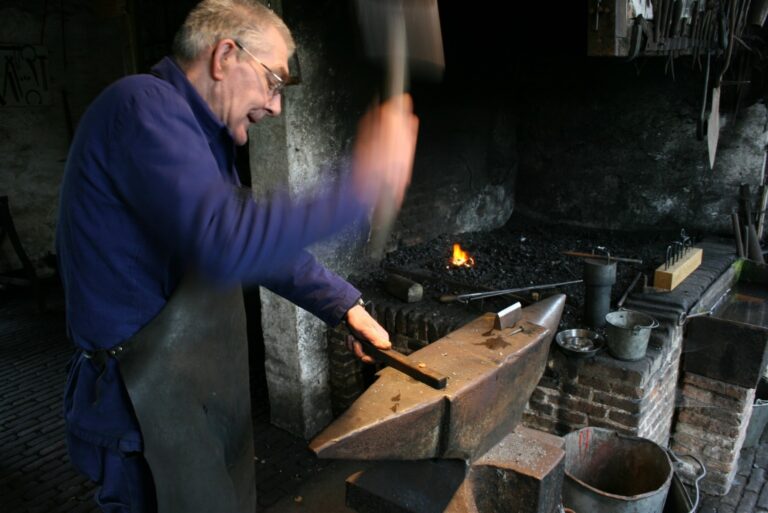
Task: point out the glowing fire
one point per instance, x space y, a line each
461 258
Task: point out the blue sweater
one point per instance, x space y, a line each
150 192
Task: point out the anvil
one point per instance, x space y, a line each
491 375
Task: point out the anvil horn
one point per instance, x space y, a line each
491 375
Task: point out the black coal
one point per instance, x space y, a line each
521 254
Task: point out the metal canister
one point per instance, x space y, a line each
599 277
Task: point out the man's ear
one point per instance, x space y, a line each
223 58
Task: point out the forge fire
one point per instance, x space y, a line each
460 258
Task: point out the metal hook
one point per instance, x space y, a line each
603 249
685 240
678 250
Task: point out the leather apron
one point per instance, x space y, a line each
187 375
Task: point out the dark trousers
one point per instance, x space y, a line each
124 479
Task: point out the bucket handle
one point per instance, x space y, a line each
654 322
702 473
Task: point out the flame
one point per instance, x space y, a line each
461 258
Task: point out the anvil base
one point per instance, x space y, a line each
522 473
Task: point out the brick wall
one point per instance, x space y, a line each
409 330
711 425
634 398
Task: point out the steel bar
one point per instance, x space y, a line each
401 362
602 257
465 298
631 287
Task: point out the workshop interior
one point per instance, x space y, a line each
575 286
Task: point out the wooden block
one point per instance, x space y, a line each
673 275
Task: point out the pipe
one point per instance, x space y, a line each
737 233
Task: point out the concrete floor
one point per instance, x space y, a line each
324 493
36 476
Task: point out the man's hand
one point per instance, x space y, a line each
384 150
361 321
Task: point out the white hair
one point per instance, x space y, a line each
210 21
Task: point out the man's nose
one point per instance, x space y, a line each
275 105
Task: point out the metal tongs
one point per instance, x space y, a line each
466 298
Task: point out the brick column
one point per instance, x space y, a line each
711 425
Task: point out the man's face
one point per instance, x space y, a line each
246 93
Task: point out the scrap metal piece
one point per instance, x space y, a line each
492 375
508 317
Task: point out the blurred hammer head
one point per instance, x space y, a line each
405 34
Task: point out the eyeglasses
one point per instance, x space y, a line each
274 81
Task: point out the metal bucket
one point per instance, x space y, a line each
607 472
759 418
627 333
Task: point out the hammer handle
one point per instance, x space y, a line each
401 362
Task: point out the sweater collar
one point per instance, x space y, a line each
168 70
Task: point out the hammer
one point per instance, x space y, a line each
406 35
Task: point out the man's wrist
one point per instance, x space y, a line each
358 302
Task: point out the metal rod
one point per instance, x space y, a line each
737 234
629 289
465 298
602 257
763 191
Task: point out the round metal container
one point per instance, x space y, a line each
627 333
608 472
579 343
599 277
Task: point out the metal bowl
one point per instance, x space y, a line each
580 343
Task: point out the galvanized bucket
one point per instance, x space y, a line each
608 472
627 333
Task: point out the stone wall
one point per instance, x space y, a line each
85 46
607 144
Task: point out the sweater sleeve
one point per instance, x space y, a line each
173 182
308 284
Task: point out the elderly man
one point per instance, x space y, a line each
155 230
